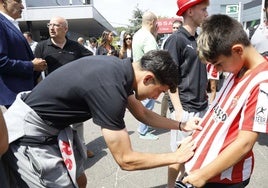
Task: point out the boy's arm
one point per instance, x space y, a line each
226 159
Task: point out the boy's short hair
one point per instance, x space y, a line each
218 34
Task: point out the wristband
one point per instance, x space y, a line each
180 126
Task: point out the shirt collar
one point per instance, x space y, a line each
183 30
13 21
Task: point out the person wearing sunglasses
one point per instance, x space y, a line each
126 49
106 46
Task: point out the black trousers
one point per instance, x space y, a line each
220 185
3 176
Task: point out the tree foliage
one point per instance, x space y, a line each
135 22
136 19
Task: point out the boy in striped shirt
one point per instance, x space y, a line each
231 126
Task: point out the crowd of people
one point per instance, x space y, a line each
211 139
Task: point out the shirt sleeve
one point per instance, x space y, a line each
255 112
19 66
171 47
107 106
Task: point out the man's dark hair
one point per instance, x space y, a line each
160 63
266 4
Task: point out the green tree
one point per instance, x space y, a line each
135 22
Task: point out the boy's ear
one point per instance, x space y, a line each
238 48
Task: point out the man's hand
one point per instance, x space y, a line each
185 150
192 125
39 64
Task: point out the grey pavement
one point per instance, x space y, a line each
103 172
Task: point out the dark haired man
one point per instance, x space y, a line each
38 122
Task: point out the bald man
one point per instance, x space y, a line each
58 50
143 41
81 40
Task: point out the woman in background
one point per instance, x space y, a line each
106 47
126 49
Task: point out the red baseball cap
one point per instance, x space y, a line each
183 5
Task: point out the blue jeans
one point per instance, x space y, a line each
149 104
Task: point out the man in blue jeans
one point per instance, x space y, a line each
144 41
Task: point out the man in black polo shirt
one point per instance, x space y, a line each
58 50
103 89
191 97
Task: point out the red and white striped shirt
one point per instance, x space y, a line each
242 104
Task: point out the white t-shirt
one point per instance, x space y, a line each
260 38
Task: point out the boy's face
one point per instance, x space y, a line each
232 64
149 88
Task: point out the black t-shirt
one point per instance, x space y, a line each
56 57
192 72
91 87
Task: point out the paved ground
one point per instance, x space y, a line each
103 172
